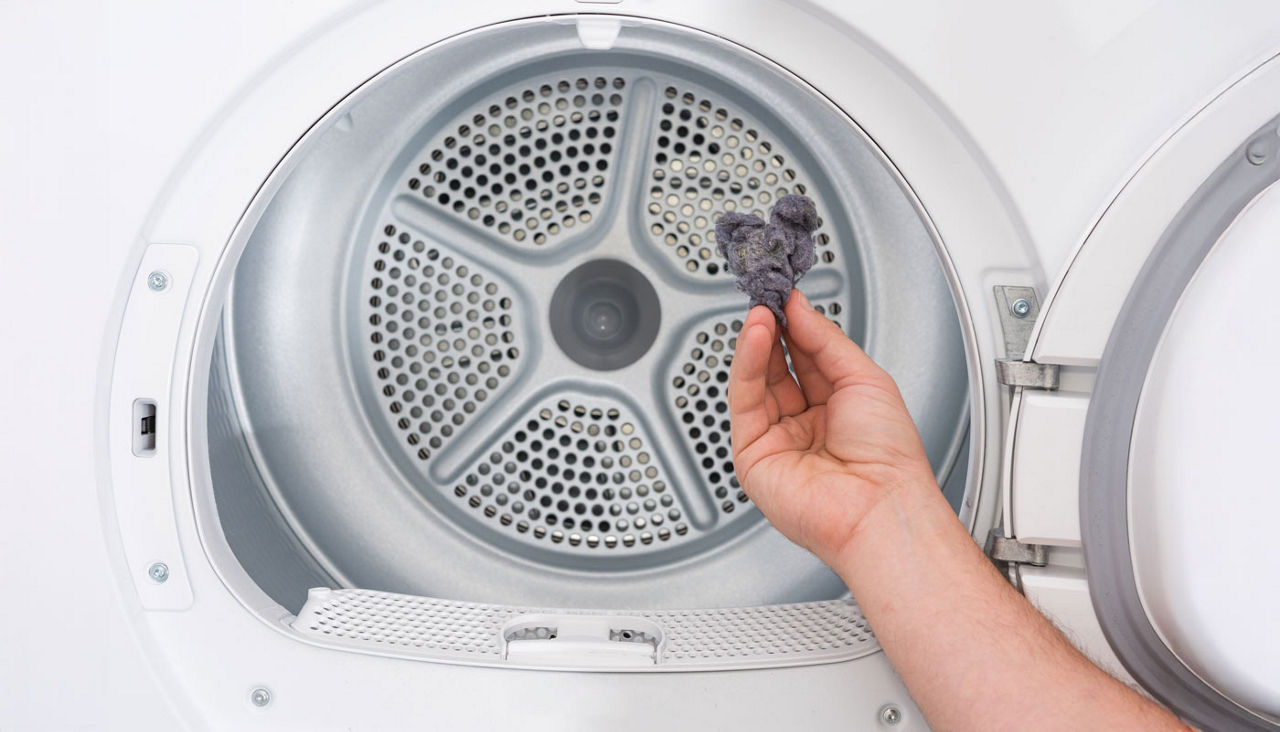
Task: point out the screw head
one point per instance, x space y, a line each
260 696
157 281
1020 307
890 715
1257 153
159 572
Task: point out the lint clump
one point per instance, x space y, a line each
769 258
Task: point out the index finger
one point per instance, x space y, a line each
837 358
748 378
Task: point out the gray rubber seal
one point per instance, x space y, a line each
1104 472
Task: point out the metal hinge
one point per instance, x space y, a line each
1010 554
1011 551
1019 308
1027 374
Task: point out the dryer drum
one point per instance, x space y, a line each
477 343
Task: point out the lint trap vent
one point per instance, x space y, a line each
675 640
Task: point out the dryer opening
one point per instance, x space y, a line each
477 341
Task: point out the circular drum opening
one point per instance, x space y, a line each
477 342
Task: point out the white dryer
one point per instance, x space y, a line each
407 406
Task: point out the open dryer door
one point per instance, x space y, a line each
1162 308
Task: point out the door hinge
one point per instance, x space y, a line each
1011 551
1027 374
1018 309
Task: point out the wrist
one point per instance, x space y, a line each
911 511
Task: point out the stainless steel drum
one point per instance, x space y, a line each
477 346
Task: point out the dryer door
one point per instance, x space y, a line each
1158 334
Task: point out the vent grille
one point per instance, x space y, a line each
445 630
708 159
700 391
530 165
442 338
583 476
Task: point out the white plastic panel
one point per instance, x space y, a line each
1080 313
1045 480
597 641
140 388
470 633
1062 594
1204 511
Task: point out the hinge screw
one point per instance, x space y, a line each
890 715
158 572
1020 307
260 696
157 281
1257 153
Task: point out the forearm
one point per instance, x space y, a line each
972 651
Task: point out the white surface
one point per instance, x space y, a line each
1062 594
1204 509
1013 125
102 102
143 370
1066 99
1045 482
1080 314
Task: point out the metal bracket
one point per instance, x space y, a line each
1011 551
1027 374
1018 309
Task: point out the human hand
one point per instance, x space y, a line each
817 456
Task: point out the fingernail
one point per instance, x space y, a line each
804 300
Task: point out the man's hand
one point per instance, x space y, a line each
836 464
818 455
